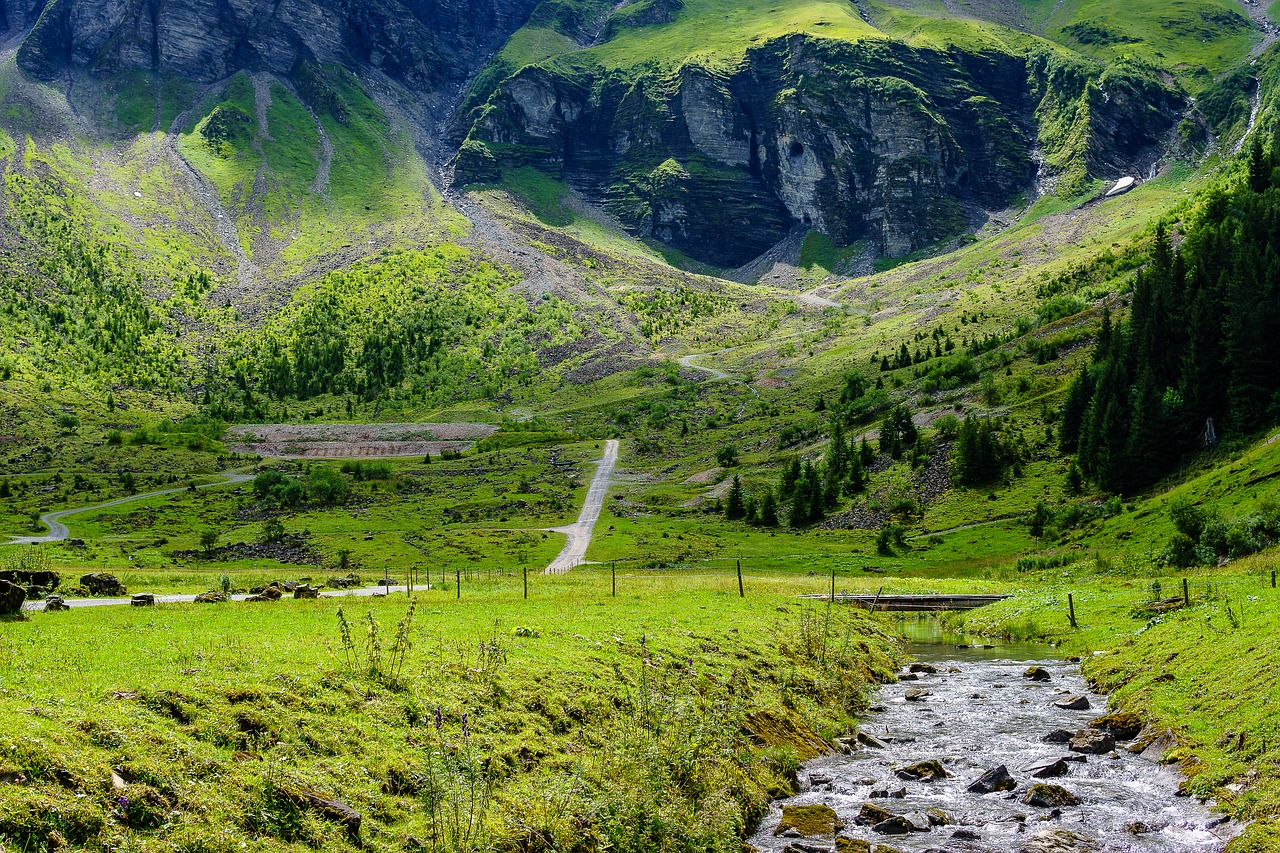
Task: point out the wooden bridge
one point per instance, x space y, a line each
922 603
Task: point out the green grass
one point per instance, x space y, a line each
584 713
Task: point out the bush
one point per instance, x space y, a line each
326 486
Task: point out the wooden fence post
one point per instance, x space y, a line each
1273 578
613 577
741 592
526 583
1071 610
1186 599
833 584
458 580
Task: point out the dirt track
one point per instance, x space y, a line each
353 441
579 533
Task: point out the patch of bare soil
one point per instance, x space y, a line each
352 441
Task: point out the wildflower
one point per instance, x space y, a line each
439 719
466 731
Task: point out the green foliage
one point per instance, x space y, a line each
979 455
1204 537
898 432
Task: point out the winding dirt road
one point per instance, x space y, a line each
58 531
579 533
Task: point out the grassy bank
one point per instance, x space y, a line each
664 718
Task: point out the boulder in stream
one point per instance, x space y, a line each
845 844
996 779
1047 796
1122 725
1091 742
809 821
1047 768
869 741
915 694
1057 736
923 771
871 814
1073 703
1037 673
927 668
896 825
1057 841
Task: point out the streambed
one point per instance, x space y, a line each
979 712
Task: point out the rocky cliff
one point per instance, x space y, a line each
864 140
423 44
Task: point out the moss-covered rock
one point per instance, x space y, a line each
812 820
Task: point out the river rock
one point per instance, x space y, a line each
924 771
896 825
996 779
963 834
1073 703
1037 673
915 694
1049 796
920 821
1154 743
1047 768
1057 736
885 793
845 844
306 591
142 599
1057 841
54 603
100 583
812 820
870 815
928 669
1122 725
1091 742
869 741
213 596
908 676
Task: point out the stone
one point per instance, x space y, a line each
809 821
1057 736
1153 744
55 603
1057 841
996 779
142 599
306 591
869 741
924 771
916 694
1047 796
885 794
896 825
330 809
213 596
920 821
11 598
845 844
1073 703
1037 673
1091 742
928 669
99 583
1047 768
32 578
1121 725
870 815
963 834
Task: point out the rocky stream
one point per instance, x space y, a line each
978 749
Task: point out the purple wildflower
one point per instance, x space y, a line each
439 719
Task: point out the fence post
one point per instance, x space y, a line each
1071 610
1186 599
1273 578
526 583
741 593
613 577
833 584
458 580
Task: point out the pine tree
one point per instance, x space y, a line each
735 507
768 509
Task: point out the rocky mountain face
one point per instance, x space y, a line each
870 140
423 44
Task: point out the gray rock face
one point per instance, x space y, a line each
11 598
422 43
875 140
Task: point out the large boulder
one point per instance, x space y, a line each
1122 725
996 779
1049 796
1047 768
100 583
923 771
809 821
871 814
1091 742
306 591
1037 673
1073 703
33 578
11 598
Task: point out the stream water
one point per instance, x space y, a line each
981 712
